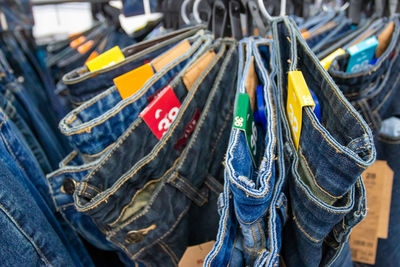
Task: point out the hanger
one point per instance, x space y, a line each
184 17
264 11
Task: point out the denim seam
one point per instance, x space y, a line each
313 176
193 139
189 190
165 234
163 140
64 206
338 149
211 187
69 157
172 255
99 153
304 231
255 221
328 209
31 241
223 127
130 100
261 234
388 94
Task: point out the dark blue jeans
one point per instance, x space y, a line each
325 190
374 93
94 126
143 205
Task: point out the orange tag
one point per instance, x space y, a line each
194 256
197 68
82 49
73 35
251 85
305 34
93 55
131 82
77 42
169 56
364 237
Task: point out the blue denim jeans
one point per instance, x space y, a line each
373 92
252 209
325 190
27 211
139 204
84 85
94 126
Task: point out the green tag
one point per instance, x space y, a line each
244 121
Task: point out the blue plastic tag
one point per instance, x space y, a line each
259 114
317 108
361 54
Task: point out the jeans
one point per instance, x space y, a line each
95 125
26 209
139 205
373 92
252 209
325 190
84 85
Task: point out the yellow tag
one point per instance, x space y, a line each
131 82
194 256
326 62
197 68
169 56
106 59
299 96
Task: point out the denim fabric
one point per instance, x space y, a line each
326 193
83 85
373 92
131 206
73 169
253 211
95 125
27 134
26 172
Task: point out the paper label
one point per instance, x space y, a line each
77 42
82 49
364 237
384 39
106 59
160 113
251 85
244 121
197 68
361 54
299 96
326 62
194 256
169 56
131 82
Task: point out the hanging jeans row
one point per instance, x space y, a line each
256 144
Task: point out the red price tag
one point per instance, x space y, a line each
161 112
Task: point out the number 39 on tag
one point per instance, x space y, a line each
160 114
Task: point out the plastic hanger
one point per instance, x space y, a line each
264 11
